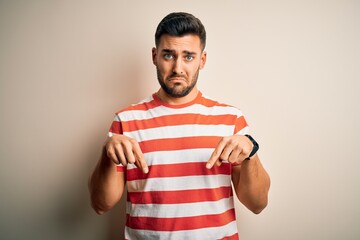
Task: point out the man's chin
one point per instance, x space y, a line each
177 93
177 90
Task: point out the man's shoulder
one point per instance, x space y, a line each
215 103
142 105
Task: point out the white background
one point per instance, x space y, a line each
293 67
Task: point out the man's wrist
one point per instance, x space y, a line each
255 147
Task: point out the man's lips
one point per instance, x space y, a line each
177 79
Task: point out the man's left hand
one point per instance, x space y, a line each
234 149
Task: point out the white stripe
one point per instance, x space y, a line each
165 111
203 234
146 100
179 183
245 130
189 130
110 134
180 210
176 156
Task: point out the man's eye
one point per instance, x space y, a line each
168 56
189 58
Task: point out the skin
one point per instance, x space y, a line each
178 61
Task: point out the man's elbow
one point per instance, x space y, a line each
100 209
102 203
258 207
99 204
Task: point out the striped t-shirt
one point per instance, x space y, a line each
179 198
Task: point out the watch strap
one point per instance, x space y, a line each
255 146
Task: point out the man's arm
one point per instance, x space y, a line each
251 184
106 184
251 181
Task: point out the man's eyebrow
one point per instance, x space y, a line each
168 50
189 52
173 51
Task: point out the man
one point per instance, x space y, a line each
178 151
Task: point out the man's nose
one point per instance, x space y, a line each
177 67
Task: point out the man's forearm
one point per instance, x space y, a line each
106 185
252 183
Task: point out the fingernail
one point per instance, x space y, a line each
208 165
146 170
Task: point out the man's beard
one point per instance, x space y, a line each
176 91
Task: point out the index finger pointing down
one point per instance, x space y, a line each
216 154
139 159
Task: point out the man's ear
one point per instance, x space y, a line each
203 59
154 56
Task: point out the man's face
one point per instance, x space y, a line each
178 61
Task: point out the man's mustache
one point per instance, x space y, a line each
176 76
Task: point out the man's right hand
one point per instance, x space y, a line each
125 150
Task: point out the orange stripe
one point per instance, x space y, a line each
240 123
116 127
232 237
181 223
211 103
178 119
177 170
155 103
181 196
120 168
169 144
141 106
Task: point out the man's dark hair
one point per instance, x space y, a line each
180 24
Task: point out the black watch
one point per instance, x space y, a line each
255 148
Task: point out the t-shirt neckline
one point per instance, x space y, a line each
160 102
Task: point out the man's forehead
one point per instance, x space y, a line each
189 42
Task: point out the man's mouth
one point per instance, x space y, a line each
177 78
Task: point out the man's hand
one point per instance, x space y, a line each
234 149
125 150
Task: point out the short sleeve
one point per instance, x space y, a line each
115 129
241 126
